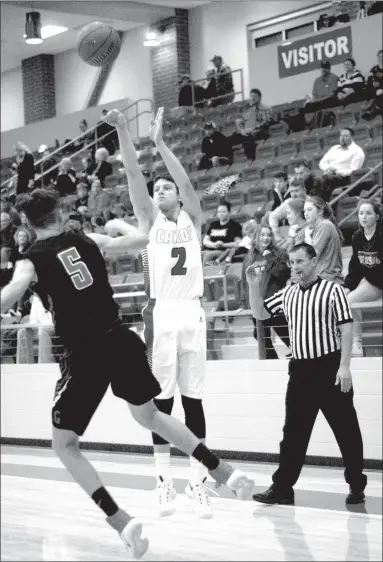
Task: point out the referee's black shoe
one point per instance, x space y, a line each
355 497
272 496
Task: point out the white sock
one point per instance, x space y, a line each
162 462
198 472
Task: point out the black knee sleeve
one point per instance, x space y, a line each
165 406
194 416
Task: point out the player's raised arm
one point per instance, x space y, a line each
143 206
23 276
188 196
132 239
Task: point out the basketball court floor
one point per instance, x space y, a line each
45 516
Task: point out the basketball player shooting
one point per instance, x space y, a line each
175 325
68 272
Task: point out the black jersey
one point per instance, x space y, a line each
73 284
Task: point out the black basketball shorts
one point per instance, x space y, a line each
117 358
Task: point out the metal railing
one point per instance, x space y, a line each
40 162
237 76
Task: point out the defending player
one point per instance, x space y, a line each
175 326
68 272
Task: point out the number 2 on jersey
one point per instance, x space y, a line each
75 268
178 268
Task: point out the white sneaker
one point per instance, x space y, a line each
240 484
357 349
199 493
131 537
166 496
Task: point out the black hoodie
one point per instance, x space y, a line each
366 260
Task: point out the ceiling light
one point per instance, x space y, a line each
51 30
33 28
151 39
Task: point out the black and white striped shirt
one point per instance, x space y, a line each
313 314
355 81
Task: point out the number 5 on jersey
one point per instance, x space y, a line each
75 268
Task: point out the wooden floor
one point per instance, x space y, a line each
45 516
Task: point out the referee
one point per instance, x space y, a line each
320 325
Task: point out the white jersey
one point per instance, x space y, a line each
172 260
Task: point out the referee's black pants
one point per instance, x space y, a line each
312 388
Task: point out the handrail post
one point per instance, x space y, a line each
261 339
242 85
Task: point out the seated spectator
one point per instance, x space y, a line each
98 199
25 168
6 269
6 207
224 81
243 136
339 162
74 222
279 215
7 231
41 335
324 235
66 179
222 234
88 167
98 224
81 204
257 117
295 218
350 84
375 89
341 14
302 173
118 211
364 281
23 241
323 96
25 225
215 149
110 140
280 189
190 94
103 167
273 261
237 254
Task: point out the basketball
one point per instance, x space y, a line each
98 43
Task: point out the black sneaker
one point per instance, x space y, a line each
355 497
271 497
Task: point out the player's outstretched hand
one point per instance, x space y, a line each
155 129
115 118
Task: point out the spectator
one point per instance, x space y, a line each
339 162
237 254
110 142
273 261
83 139
295 218
48 177
280 189
297 191
302 173
42 335
324 235
25 225
88 167
98 224
364 281
222 234
257 117
375 89
186 96
74 222
340 12
23 241
87 227
7 231
6 207
216 149
323 96
210 87
81 204
66 179
350 83
98 199
224 81
25 168
103 167
243 137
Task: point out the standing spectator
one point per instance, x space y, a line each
279 215
350 83
98 199
190 94
257 117
48 178
25 168
216 149
224 81
103 167
110 142
222 234
23 241
280 189
364 281
243 136
375 89
295 218
340 161
275 273
320 324
324 235
66 179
